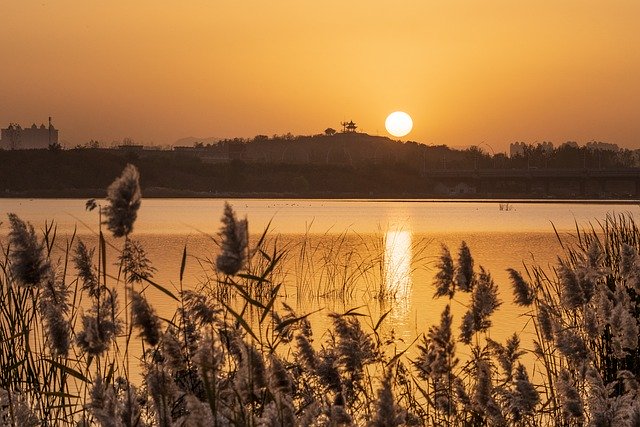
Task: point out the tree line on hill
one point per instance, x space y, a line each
328 165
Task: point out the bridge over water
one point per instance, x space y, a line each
582 182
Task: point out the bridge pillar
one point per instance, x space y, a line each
637 188
583 187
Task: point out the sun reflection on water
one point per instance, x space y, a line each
397 269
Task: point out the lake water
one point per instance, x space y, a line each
354 245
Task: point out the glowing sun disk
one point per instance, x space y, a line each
398 123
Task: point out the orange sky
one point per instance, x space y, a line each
467 71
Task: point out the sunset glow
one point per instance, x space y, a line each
496 71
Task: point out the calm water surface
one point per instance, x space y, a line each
360 244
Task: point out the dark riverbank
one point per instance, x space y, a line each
156 193
85 173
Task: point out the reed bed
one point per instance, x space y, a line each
73 330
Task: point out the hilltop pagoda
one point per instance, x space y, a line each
349 127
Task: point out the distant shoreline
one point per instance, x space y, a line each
154 193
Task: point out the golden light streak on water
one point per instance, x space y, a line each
397 269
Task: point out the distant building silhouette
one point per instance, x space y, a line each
14 137
348 126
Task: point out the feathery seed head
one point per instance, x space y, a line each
279 378
592 326
443 280
305 354
83 259
467 327
572 406
199 308
208 358
465 276
630 266
53 306
484 301
525 397
437 355
594 255
387 413
624 328
199 414
172 350
135 263
29 265
15 411
100 326
162 390
545 319
234 239
124 199
354 347
508 354
104 405
144 317
572 294
252 379
572 346
522 291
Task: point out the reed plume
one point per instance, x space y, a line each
100 325
387 412
144 317
630 266
198 414
624 325
54 307
162 391
83 260
437 360
483 399
124 199
464 275
104 406
233 242
484 301
135 263
507 355
444 279
570 400
15 412
524 397
522 291
199 307
29 264
353 349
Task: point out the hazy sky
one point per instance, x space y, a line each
466 71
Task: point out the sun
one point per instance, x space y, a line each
398 123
